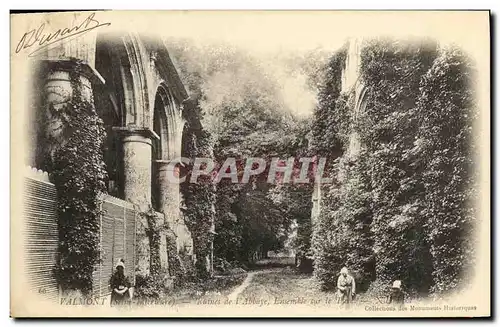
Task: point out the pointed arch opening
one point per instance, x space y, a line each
163 149
114 102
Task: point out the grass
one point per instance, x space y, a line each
283 282
277 262
217 286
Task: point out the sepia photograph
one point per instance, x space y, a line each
250 164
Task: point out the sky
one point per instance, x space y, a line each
273 35
231 73
268 36
272 31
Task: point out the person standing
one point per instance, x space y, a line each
346 287
397 296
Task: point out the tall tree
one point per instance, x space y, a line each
247 113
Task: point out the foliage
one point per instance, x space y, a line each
331 117
261 231
154 285
391 71
176 266
406 196
199 198
331 132
228 240
256 217
328 246
224 267
187 261
444 153
154 232
342 235
247 111
295 201
330 138
148 287
354 216
393 208
78 173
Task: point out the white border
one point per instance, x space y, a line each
208 5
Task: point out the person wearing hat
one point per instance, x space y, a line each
119 285
346 286
397 296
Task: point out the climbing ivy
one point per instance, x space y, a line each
332 128
148 287
391 70
369 220
153 284
176 266
331 120
198 199
347 223
445 152
154 232
79 174
332 248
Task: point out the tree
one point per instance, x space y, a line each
244 109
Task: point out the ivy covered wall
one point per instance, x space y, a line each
198 199
78 172
401 208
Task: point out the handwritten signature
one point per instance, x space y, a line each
41 40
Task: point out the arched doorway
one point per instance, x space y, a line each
360 102
163 193
113 104
159 149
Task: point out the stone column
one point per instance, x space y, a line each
59 89
168 202
137 169
137 185
168 192
175 189
63 77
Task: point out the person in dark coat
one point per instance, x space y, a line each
396 296
120 286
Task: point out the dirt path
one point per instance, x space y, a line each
238 290
278 283
274 287
248 281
